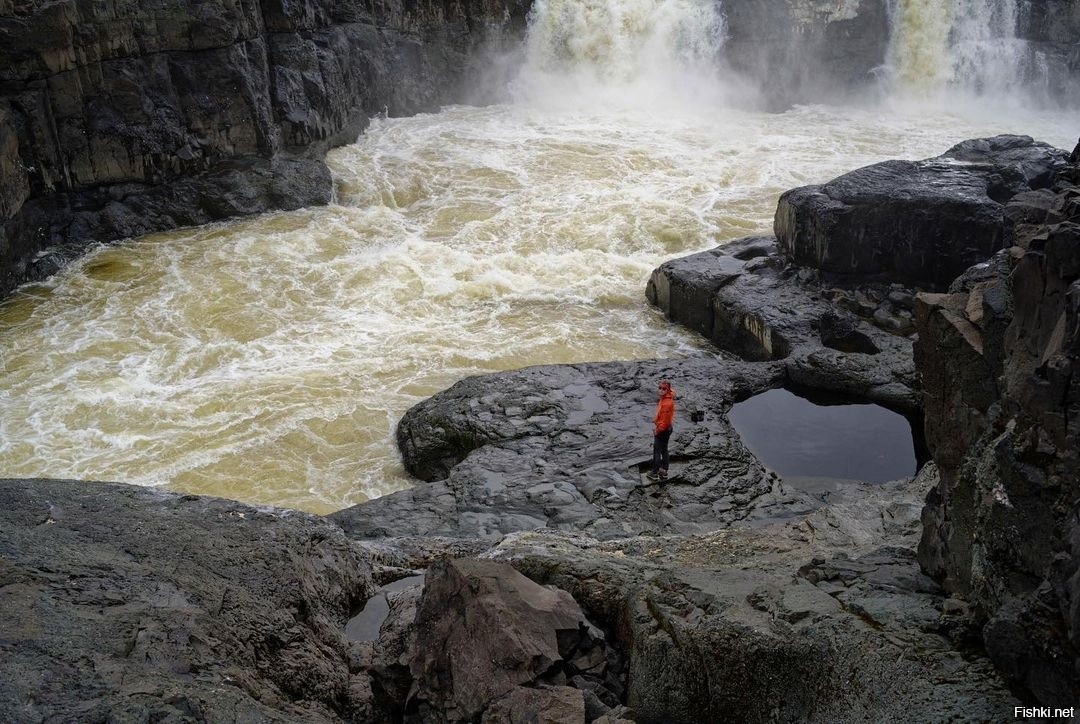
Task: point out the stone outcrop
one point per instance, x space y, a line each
1000 362
751 301
822 618
128 604
917 222
567 446
123 118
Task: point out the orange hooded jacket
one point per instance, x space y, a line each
665 412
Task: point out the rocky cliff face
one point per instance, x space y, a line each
999 357
123 118
1049 29
807 51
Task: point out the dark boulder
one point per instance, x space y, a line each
487 637
918 222
128 604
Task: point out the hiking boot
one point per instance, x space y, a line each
652 476
663 474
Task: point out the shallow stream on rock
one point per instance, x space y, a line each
269 359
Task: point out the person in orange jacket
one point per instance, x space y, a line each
663 423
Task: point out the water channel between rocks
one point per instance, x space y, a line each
269 359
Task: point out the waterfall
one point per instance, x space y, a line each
920 47
626 52
962 46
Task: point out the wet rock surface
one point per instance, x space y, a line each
822 618
1000 360
917 222
567 447
752 301
127 604
826 619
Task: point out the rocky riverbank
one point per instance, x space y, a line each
563 586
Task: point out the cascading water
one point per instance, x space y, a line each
920 44
966 47
268 359
622 53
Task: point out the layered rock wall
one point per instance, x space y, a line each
999 357
123 118
1049 29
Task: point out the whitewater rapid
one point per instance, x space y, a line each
269 359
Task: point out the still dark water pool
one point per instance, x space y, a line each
812 442
365 625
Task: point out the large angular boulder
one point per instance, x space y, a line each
490 642
919 222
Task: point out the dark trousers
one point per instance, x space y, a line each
660 451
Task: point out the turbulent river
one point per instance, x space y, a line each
269 359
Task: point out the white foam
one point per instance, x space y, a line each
270 358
